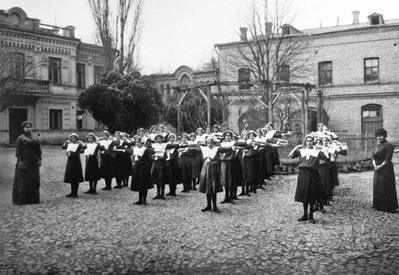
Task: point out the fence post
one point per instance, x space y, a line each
367 142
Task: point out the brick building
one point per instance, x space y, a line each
355 67
56 67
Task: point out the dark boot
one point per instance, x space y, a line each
94 190
215 209
208 205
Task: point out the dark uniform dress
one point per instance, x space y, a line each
172 169
210 172
185 165
384 185
121 161
308 189
325 175
27 177
73 169
92 170
249 167
226 164
141 177
107 167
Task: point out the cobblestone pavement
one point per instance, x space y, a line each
107 234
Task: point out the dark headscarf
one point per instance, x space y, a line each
381 132
26 123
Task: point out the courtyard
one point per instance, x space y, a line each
108 234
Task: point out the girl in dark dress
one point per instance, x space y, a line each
227 173
141 176
185 164
27 176
210 174
126 160
119 151
172 166
106 160
384 185
73 169
308 189
92 171
196 163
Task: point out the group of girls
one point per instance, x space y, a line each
318 170
215 161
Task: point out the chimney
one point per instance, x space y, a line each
268 27
355 17
243 34
69 31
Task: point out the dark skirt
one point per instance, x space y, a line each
158 172
195 166
236 168
210 178
172 172
92 171
186 170
107 166
384 189
226 173
308 189
334 173
268 166
141 178
26 185
275 157
249 169
325 180
73 170
123 165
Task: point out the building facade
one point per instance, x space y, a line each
354 68
55 66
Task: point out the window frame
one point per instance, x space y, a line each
51 71
322 74
366 81
244 80
50 120
80 76
97 77
283 73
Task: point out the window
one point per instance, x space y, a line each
325 73
98 72
371 110
80 76
185 81
371 70
372 118
55 119
244 77
283 73
79 119
17 65
54 70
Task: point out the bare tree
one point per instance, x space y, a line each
274 53
119 31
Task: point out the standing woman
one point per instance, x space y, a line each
172 166
308 189
27 176
384 186
126 160
73 169
196 163
210 174
106 160
141 176
92 171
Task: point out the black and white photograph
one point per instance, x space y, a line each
199 137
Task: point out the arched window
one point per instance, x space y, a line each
371 118
185 81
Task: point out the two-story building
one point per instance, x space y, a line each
354 66
56 66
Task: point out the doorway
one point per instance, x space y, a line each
15 117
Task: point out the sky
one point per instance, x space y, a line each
184 32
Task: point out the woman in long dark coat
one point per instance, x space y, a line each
92 171
27 176
107 164
141 176
308 189
73 169
126 160
384 185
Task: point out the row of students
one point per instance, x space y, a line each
151 161
318 173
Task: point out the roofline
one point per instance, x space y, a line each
303 33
